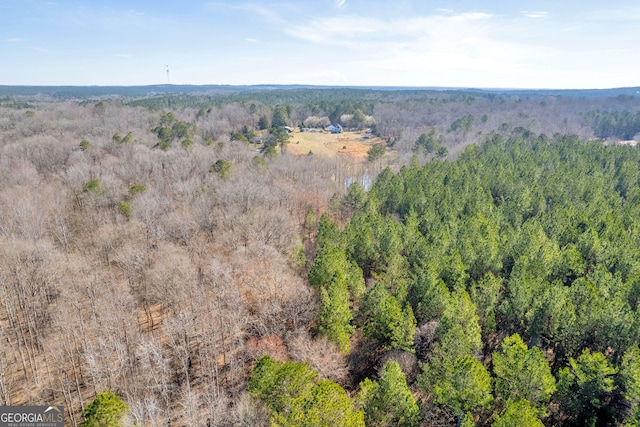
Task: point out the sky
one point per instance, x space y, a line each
565 44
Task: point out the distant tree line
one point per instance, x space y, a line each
624 125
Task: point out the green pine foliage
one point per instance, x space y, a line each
327 404
527 237
522 373
464 124
332 265
517 414
386 321
459 331
464 386
429 142
136 189
94 187
296 397
106 410
280 116
334 319
328 233
124 208
376 152
170 129
629 379
222 168
354 200
585 386
340 284
388 401
276 383
428 295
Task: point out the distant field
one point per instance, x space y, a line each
351 144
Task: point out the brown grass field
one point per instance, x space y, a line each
354 145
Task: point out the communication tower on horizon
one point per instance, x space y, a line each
168 82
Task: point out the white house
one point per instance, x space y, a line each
334 128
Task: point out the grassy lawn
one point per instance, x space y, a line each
352 144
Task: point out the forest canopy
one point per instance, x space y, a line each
527 248
174 259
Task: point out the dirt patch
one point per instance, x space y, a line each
271 345
354 145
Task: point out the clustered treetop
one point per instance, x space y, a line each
528 238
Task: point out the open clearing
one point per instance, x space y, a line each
351 144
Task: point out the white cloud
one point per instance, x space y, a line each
612 14
341 4
469 16
253 8
335 29
122 55
359 32
15 40
41 50
535 14
441 47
